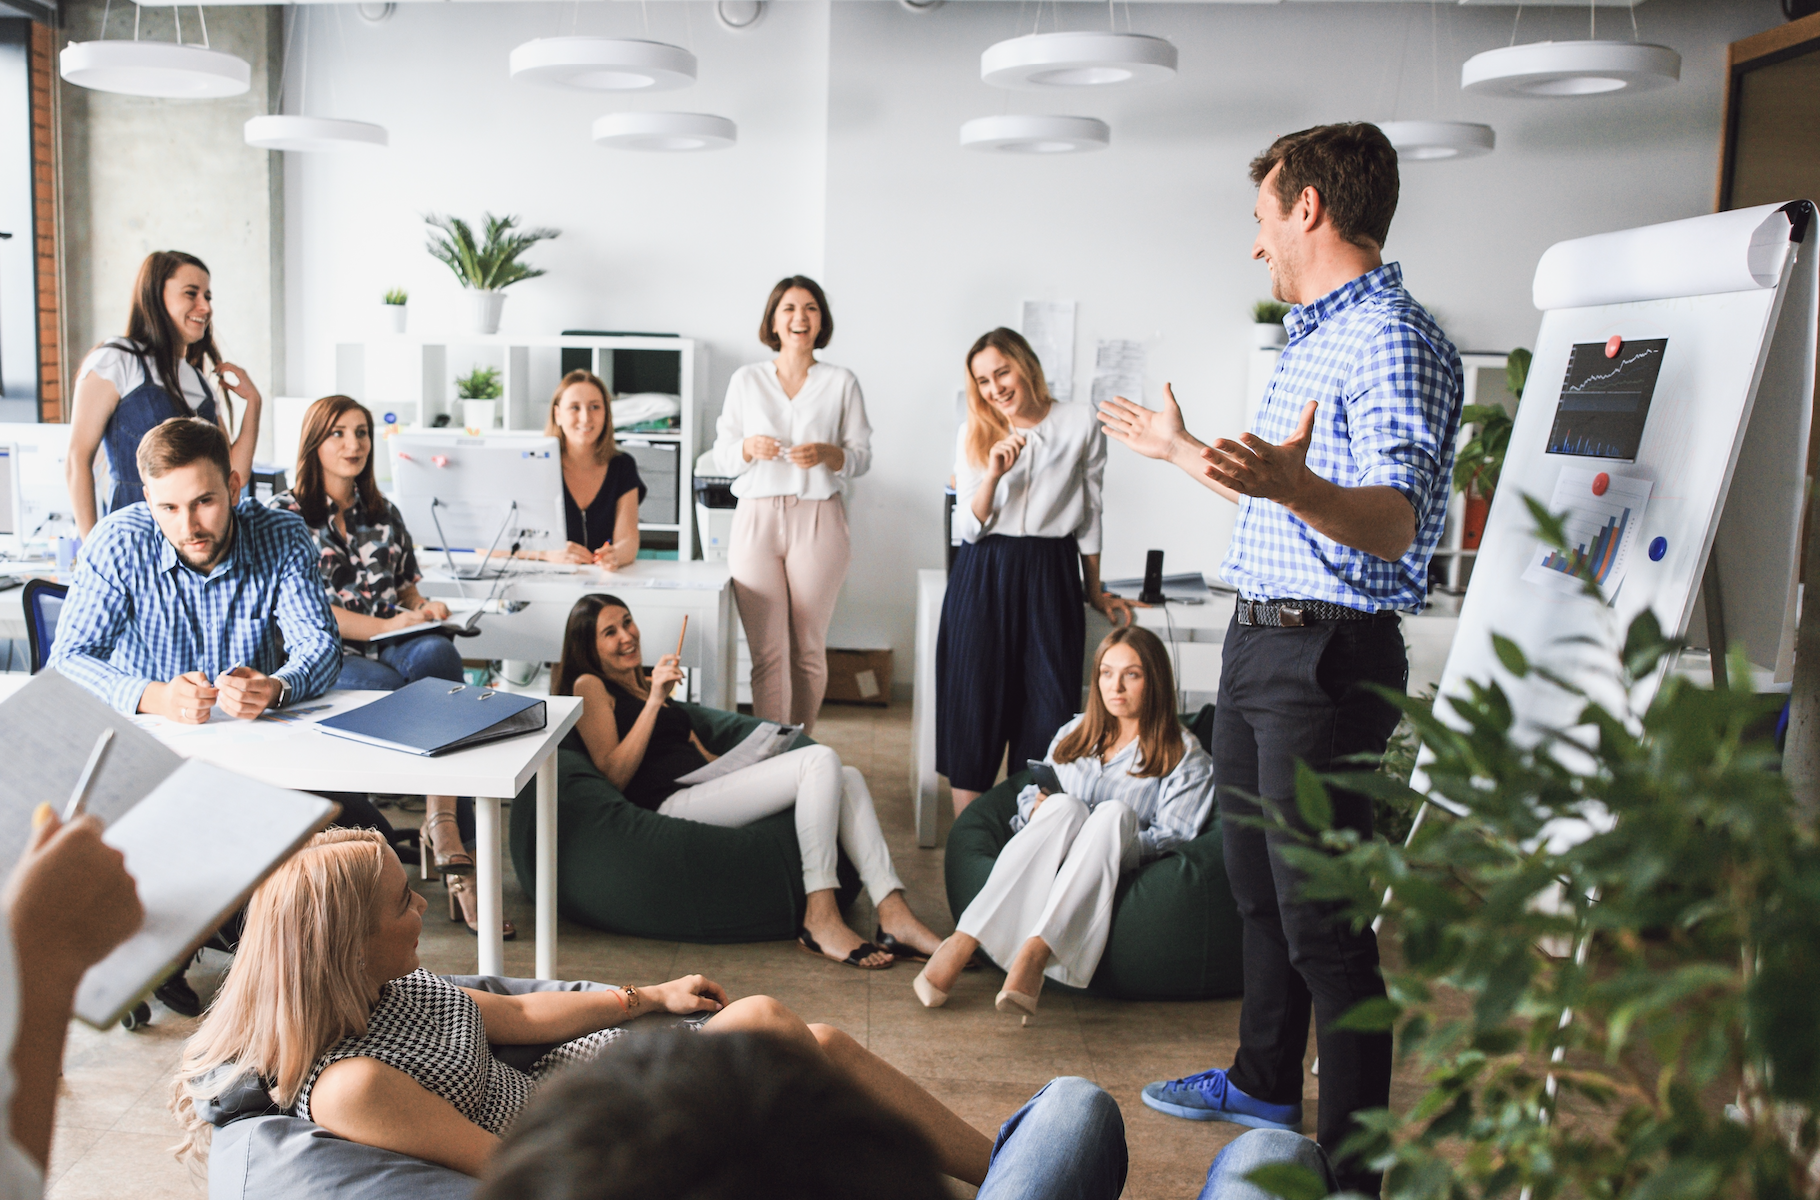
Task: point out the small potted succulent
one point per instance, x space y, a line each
479 392
1481 459
486 265
1267 332
395 301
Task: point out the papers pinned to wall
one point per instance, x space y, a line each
1118 370
1048 326
1604 515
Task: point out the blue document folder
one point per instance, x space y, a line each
434 716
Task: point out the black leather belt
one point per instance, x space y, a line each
1294 614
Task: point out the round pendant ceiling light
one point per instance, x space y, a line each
1432 141
602 64
1080 60
161 69
671 131
1018 134
1548 69
313 133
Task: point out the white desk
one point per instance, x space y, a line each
298 756
659 592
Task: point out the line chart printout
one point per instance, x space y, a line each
1605 398
1604 518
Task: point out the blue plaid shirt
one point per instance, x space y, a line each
1389 384
137 615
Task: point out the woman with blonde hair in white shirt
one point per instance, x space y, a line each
794 435
1135 786
1027 477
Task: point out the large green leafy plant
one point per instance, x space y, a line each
1481 460
491 261
1608 955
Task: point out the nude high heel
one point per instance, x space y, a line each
1009 1001
928 993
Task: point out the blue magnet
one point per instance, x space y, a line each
1657 549
391 418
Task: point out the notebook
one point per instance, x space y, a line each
197 838
435 716
467 628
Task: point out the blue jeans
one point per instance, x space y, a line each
1067 1143
430 656
1261 1148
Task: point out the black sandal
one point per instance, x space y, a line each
903 951
856 959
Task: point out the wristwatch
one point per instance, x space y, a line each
631 998
284 692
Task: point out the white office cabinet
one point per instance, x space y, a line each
413 379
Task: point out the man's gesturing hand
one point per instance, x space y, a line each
1252 466
1152 434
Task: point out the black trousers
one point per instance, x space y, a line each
1288 695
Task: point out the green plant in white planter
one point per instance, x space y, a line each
394 306
479 391
486 265
1267 332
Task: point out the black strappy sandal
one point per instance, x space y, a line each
856 959
902 951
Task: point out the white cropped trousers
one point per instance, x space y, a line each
833 808
1055 880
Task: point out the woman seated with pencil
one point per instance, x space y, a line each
328 1005
644 744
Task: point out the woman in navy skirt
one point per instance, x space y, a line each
1027 480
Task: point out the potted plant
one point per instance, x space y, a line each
479 391
1267 332
394 306
487 265
1481 459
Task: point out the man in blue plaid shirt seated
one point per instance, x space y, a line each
1342 490
185 602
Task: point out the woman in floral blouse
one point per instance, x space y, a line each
370 570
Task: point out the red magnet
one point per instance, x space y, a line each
1600 482
442 460
1613 344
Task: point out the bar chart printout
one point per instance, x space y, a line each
1604 520
1605 399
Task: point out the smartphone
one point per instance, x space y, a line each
1044 775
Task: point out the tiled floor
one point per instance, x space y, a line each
113 1131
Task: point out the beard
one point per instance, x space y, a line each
214 548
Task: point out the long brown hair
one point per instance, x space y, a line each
605 446
985 424
298 983
580 648
312 495
1160 746
150 327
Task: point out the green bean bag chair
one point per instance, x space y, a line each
628 870
1175 929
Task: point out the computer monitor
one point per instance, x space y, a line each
12 506
42 500
458 492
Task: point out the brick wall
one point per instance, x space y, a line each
45 225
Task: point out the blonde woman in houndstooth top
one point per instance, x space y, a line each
327 1003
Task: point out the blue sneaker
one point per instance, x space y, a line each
1210 1096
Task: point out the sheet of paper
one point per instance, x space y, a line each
196 847
1118 370
767 741
1049 328
1604 520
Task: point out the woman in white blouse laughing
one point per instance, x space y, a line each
794 435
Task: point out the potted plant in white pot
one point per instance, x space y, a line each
488 265
1267 332
479 392
395 301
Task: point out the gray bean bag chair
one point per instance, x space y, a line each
258 1152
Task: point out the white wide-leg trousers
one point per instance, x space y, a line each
1055 880
833 808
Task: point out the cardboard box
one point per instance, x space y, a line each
859 677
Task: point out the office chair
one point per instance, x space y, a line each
43 602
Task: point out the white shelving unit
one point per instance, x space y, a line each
1485 384
408 380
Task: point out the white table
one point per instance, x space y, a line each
306 759
659 592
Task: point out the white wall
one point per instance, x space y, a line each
687 244
848 167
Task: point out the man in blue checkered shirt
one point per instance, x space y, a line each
185 603
1342 491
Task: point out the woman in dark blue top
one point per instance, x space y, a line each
158 371
601 490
